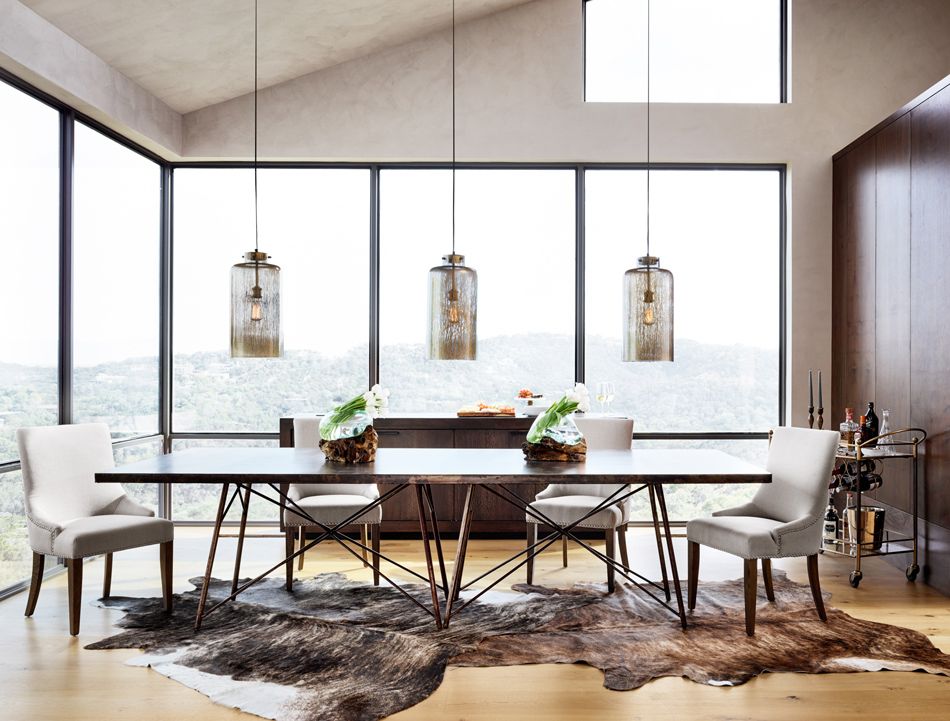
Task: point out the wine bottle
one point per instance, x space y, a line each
871 424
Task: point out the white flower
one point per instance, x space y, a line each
369 399
579 395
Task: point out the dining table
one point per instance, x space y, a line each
267 473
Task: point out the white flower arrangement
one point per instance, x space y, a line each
574 399
376 401
373 402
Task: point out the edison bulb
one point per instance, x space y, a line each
649 317
453 307
257 312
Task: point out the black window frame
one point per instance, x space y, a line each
783 48
167 434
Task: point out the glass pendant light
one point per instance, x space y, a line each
453 287
648 289
255 284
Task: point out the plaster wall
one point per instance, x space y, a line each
520 98
36 51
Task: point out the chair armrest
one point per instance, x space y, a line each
125 506
746 509
800 537
42 532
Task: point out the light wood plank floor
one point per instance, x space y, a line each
47 675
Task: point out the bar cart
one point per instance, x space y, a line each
853 539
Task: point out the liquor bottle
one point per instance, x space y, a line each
870 424
860 432
847 427
830 529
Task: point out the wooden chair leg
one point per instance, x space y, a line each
36 580
74 584
692 582
751 587
609 537
166 559
532 538
288 552
563 550
302 537
107 577
816 586
767 579
364 539
622 542
374 536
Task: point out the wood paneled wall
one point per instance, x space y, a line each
891 302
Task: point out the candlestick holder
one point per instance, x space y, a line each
811 416
821 418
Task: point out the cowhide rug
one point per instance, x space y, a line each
339 649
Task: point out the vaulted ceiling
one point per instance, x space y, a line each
195 53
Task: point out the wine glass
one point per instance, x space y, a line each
605 394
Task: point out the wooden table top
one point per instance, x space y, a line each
436 466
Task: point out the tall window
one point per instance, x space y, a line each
315 225
718 232
29 293
516 229
116 232
701 51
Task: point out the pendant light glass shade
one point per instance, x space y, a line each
648 312
255 308
453 294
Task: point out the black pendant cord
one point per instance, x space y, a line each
256 249
453 131
648 128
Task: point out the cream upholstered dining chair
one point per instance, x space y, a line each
71 516
783 519
564 503
329 504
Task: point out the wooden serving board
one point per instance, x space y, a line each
483 414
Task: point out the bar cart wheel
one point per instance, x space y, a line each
855 578
912 572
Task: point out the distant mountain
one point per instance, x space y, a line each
708 388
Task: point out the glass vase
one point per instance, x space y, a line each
351 427
886 444
560 429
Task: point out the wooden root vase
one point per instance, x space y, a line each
549 450
359 449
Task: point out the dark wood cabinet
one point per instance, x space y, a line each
891 275
491 514
402 507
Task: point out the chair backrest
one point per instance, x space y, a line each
59 464
307 435
601 434
604 434
800 461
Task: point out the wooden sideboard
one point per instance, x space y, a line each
491 515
